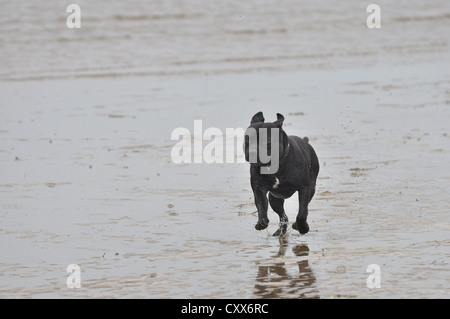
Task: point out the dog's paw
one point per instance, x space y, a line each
303 229
280 232
262 224
283 228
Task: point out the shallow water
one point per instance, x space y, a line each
87 177
167 37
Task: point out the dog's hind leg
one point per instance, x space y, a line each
312 191
314 171
277 206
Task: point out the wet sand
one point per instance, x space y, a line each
87 177
89 180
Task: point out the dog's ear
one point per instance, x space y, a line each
285 142
280 119
257 118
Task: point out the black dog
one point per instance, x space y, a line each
298 167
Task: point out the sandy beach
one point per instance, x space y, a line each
87 177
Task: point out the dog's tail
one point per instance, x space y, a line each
306 139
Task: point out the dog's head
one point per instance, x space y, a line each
265 143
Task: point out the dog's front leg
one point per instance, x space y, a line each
262 205
301 224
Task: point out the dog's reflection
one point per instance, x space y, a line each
274 280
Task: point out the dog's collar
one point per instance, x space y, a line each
286 150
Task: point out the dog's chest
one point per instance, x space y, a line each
282 190
276 184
